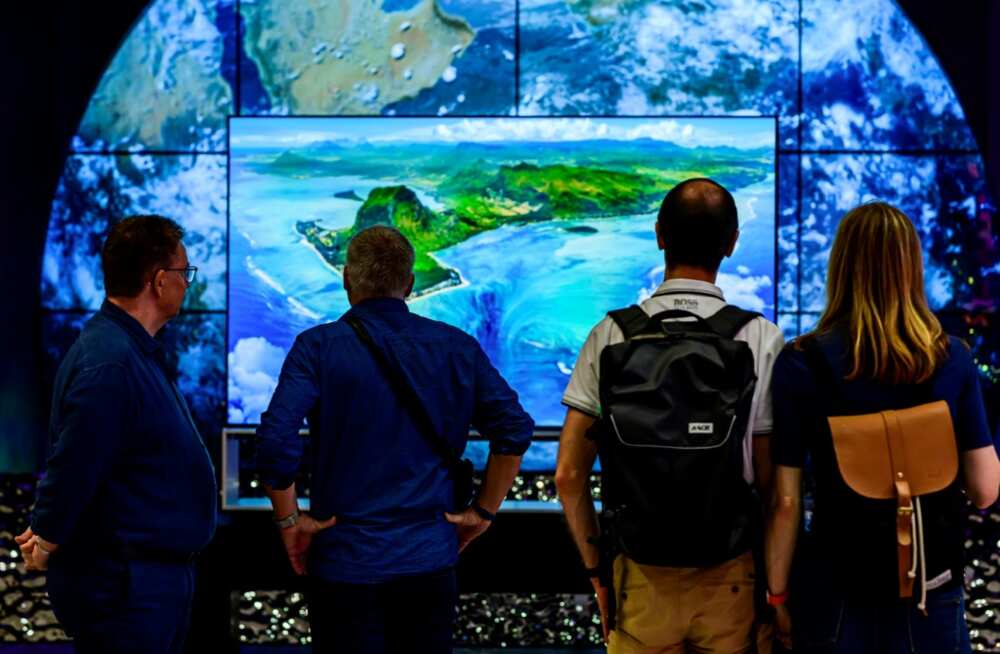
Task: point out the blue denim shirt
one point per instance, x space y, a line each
370 466
127 465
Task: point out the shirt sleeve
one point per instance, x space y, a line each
971 425
770 346
793 390
583 391
279 446
498 413
97 413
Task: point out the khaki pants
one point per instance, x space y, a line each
677 610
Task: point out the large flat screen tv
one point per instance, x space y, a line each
527 230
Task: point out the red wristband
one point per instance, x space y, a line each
777 600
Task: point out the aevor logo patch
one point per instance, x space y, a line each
686 304
701 428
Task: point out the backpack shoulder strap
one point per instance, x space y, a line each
631 320
730 319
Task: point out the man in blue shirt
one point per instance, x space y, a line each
382 565
129 494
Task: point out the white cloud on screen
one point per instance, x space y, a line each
254 366
290 138
488 130
583 129
745 292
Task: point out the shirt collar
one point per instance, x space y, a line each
381 305
680 285
131 325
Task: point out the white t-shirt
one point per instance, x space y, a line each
703 299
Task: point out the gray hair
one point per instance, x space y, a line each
380 262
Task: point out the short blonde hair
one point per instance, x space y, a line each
875 292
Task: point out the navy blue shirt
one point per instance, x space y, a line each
127 465
370 466
797 407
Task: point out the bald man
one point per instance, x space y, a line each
661 608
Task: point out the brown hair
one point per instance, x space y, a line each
136 247
875 293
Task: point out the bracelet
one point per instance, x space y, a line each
483 513
593 573
288 521
776 599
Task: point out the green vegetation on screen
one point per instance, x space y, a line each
483 186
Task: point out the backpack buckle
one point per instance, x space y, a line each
905 510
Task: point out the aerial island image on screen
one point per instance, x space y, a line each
526 230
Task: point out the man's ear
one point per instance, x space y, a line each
659 237
156 283
732 245
347 280
409 287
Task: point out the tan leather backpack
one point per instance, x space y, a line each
899 454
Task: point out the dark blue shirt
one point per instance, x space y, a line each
798 405
370 466
127 465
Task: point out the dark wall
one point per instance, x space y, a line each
55 53
993 83
966 40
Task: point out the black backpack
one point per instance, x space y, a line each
675 403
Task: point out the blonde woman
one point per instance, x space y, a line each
876 347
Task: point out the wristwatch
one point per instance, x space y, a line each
288 521
776 600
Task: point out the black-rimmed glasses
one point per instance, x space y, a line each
189 273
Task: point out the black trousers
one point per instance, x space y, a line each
410 614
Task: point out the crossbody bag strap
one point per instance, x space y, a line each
407 395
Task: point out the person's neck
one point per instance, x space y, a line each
355 300
143 311
691 272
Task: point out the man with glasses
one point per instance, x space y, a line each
129 494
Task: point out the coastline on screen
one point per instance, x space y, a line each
527 230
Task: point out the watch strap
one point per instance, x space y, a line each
288 521
483 513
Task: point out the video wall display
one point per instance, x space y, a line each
638 58
172 83
527 231
96 190
864 112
